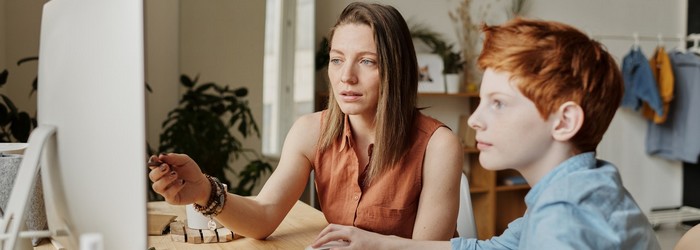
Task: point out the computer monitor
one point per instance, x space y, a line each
91 90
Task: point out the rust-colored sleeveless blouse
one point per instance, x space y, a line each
389 205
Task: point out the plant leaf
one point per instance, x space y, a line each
27 59
186 81
4 115
10 105
21 127
3 77
241 92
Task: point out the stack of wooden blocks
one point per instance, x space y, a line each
181 233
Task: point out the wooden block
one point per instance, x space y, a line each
181 233
177 227
178 237
193 236
225 235
208 236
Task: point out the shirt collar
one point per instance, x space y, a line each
575 163
347 135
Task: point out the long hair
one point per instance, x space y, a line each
553 63
398 70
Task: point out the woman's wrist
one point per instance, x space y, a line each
216 199
203 196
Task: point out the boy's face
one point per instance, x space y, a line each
510 132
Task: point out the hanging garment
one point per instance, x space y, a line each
677 138
639 83
663 74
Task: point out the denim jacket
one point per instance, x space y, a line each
639 83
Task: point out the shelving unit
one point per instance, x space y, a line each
494 203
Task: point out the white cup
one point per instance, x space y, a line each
196 220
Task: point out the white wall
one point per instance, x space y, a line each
223 41
652 181
20 39
162 63
3 24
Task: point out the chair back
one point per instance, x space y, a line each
466 226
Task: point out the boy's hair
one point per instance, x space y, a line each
553 63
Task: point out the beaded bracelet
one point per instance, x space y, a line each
215 204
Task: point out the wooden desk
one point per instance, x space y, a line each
297 230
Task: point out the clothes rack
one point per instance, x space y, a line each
681 40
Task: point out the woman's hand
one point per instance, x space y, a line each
179 180
347 237
354 237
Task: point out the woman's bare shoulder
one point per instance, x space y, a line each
309 120
304 133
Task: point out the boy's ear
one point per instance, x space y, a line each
569 119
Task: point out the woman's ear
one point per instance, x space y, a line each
569 119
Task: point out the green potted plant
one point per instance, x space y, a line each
15 125
207 125
452 61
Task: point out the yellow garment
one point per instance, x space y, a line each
663 74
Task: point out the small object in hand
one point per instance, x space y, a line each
154 162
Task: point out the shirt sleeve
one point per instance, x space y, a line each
563 225
508 240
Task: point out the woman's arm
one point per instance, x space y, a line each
439 198
260 216
181 182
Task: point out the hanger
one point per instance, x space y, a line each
636 40
660 40
695 38
681 44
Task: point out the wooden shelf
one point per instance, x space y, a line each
471 150
464 94
512 188
476 190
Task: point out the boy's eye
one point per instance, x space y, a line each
496 104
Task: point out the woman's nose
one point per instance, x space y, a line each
347 75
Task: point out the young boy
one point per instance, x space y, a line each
547 97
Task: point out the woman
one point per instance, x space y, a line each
379 163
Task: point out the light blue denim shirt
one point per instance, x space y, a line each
580 204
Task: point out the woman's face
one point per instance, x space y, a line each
353 69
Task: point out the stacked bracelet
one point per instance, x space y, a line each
215 204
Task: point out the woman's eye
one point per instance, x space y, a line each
367 62
335 61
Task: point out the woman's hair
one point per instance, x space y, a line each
553 63
398 70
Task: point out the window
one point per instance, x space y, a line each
288 83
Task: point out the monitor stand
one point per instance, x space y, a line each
12 233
